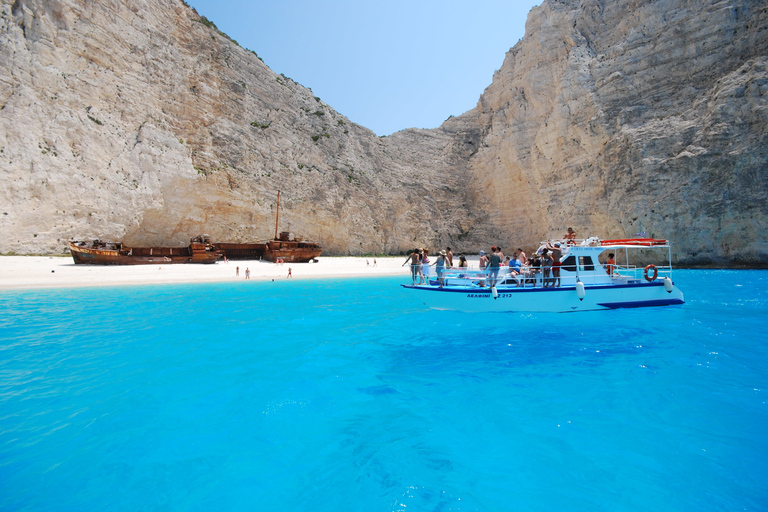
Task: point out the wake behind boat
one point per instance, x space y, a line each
583 283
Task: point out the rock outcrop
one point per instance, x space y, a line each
138 120
626 117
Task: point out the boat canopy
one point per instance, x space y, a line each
594 246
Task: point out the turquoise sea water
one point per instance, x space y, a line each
343 395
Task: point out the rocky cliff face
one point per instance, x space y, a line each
138 120
625 117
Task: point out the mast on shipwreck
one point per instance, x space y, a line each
277 214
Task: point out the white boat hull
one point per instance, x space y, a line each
555 300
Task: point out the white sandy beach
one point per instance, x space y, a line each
21 272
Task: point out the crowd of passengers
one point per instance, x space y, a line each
519 266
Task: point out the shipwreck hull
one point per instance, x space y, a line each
293 255
294 251
283 248
246 251
90 253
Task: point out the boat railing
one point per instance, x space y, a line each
525 277
528 277
462 276
635 273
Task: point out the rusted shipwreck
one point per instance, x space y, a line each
200 250
96 252
282 248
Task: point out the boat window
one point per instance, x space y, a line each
585 263
569 264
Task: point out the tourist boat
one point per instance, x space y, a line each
584 282
281 249
96 252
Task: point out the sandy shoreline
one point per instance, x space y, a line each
28 272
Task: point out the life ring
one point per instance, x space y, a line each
653 269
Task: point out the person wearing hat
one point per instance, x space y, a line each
483 259
440 268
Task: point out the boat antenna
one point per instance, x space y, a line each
277 213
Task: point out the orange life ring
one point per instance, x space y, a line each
654 270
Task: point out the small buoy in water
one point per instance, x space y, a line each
580 292
668 284
494 292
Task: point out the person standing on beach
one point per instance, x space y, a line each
289 273
237 271
247 273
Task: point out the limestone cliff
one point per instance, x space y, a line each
138 120
625 117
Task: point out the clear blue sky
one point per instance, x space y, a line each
385 65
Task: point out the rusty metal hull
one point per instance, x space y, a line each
115 253
292 251
245 251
